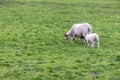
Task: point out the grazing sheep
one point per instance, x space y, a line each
91 38
78 30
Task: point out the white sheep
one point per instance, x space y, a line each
91 39
78 30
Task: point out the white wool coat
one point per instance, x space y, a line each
79 30
91 39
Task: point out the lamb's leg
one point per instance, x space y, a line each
92 44
88 44
98 44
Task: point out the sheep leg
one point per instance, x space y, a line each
83 34
80 38
86 42
73 38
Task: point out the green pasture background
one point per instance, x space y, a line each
33 47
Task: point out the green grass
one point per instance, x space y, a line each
33 47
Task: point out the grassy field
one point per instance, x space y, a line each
33 47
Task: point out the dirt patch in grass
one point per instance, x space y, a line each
7 3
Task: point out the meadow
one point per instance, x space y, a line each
33 46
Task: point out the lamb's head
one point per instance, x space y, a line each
67 36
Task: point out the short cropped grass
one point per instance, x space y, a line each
33 47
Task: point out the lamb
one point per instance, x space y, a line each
78 30
91 38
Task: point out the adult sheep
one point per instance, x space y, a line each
79 30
